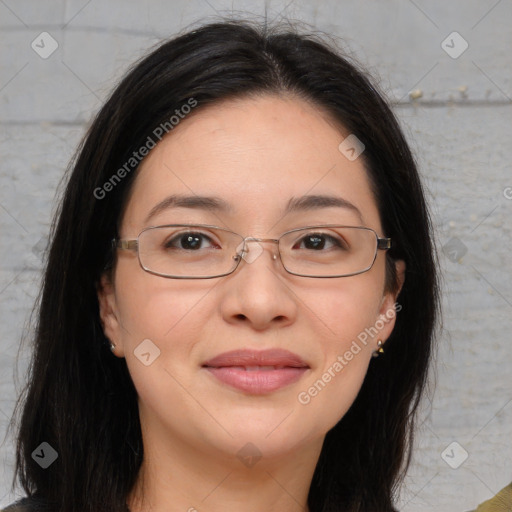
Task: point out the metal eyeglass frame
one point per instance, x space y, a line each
132 244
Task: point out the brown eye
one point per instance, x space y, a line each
318 242
188 241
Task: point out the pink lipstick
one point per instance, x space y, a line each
257 372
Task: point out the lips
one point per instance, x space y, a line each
253 358
257 372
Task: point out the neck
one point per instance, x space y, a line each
190 478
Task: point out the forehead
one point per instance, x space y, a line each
256 154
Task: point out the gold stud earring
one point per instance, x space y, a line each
379 350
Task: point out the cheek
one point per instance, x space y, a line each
160 326
155 307
344 310
349 313
332 388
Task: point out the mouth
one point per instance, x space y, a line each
257 372
253 368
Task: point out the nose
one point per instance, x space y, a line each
257 293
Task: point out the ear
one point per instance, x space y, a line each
109 315
389 306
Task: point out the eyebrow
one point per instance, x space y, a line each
316 202
208 203
217 204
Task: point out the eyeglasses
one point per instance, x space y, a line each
185 251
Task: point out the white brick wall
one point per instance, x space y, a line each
460 129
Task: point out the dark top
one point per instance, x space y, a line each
31 505
24 505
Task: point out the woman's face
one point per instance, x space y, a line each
256 155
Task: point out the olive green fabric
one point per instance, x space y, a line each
502 502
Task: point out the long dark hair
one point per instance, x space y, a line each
81 400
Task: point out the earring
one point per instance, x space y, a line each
379 350
112 346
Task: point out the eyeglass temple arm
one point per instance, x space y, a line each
383 243
127 245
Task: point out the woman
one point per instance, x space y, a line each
243 229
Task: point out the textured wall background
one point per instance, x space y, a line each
455 103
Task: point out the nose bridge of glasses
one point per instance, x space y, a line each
250 254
